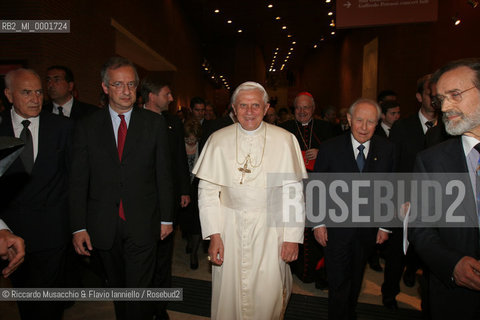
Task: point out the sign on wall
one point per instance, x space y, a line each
362 13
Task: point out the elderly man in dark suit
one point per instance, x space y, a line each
121 187
452 254
347 249
35 190
60 85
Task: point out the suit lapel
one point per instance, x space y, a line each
133 133
107 136
348 153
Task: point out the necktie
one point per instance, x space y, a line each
360 157
27 153
429 124
60 111
122 134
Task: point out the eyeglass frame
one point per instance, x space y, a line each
452 96
132 85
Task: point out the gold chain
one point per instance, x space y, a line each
247 158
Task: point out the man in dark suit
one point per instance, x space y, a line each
347 249
60 85
121 187
409 136
35 190
452 254
157 96
390 114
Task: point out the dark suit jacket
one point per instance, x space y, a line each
179 155
379 131
442 248
408 135
142 179
35 205
79 109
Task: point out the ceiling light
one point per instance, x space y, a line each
283 66
240 31
330 13
332 24
332 33
456 20
284 27
270 5
229 21
206 69
221 76
270 70
216 11
291 49
289 36
314 46
278 18
294 42
213 77
322 39
328 1
274 70
277 49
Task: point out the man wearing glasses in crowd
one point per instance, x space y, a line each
120 186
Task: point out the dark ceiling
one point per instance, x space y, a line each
307 23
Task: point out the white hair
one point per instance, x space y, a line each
249 85
365 100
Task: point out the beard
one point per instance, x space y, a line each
462 124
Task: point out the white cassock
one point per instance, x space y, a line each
245 207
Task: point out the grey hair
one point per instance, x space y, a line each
10 75
115 63
250 85
365 100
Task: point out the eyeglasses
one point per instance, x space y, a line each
453 97
121 85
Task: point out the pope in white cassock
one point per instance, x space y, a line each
245 172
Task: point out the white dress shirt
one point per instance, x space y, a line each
66 107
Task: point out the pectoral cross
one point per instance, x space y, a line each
244 170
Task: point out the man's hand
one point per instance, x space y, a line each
215 250
12 248
184 201
165 230
311 154
382 236
321 235
289 251
81 243
467 273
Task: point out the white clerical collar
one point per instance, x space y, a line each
306 123
252 132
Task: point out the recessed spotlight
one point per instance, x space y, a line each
330 13
277 49
274 70
328 1
270 5
206 69
294 42
278 18
284 27
240 31
213 77
291 49
289 36
322 39
332 33
229 21
456 20
283 66
332 24
221 77
216 11
315 46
